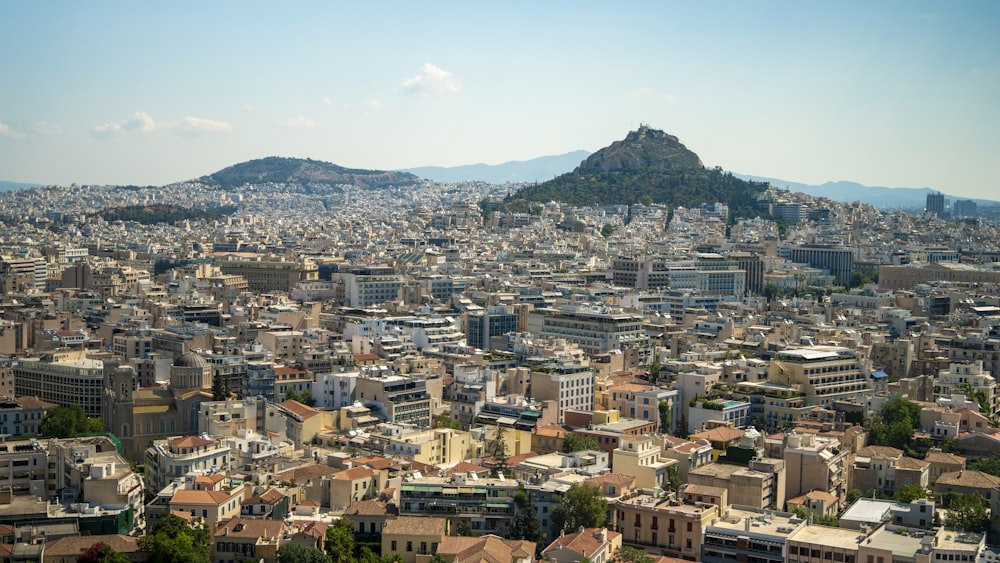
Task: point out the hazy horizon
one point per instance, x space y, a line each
885 94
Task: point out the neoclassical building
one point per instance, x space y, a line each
140 415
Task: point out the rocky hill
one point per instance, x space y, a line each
304 171
647 165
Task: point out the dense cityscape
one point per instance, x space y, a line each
440 372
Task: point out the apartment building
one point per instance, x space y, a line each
173 458
825 374
663 526
396 398
813 463
751 534
595 330
62 379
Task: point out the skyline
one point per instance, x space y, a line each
896 94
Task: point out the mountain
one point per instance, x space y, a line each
304 171
647 164
534 170
848 192
8 186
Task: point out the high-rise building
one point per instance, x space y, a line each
965 208
483 326
935 203
838 260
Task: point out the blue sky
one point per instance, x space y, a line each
884 93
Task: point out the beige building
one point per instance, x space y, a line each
813 463
248 539
462 549
661 526
746 486
438 446
351 485
212 507
597 545
414 538
821 544
264 273
825 374
642 457
909 275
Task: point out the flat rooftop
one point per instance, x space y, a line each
762 522
827 536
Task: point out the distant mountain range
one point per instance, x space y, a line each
7 186
534 170
848 192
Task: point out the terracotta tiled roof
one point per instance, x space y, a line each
911 463
193 496
813 495
415 525
75 545
306 472
719 434
367 508
969 479
611 479
944 458
354 473
190 442
880 452
586 541
299 410
466 467
250 528
488 549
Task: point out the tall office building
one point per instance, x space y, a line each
482 327
965 208
838 260
935 203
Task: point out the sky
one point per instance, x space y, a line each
885 93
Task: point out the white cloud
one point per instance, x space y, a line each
248 107
144 123
670 98
642 93
296 121
327 101
431 80
373 104
196 126
46 129
7 133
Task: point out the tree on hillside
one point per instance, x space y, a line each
445 421
664 408
627 554
580 506
909 493
968 513
173 540
303 397
220 388
295 553
68 422
102 553
526 525
576 443
340 541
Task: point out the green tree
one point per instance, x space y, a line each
68 422
968 513
498 448
102 553
909 493
295 553
771 291
576 443
655 369
340 541
627 554
438 559
366 555
665 422
674 481
526 525
303 397
646 200
445 421
580 506
220 388
989 465
607 230
461 527
853 495
173 540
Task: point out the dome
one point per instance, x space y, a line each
191 360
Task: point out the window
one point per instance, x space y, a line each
690 526
409 546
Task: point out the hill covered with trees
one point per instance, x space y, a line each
647 166
279 170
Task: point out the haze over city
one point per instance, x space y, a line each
892 93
